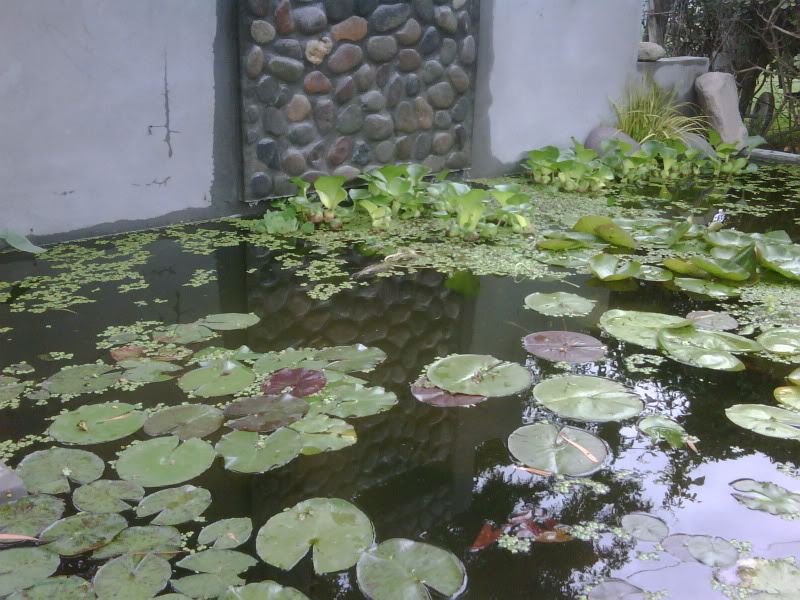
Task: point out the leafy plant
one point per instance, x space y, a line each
19 241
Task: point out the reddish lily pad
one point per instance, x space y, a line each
565 346
266 413
424 391
297 382
487 536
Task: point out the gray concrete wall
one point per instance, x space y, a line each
84 147
546 72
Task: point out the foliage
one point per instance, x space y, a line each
19 241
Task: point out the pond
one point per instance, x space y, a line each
417 471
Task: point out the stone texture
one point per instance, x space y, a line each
345 90
650 51
294 164
461 110
442 119
340 151
310 19
424 113
350 119
251 113
353 29
315 155
338 10
283 18
384 152
424 10
382 75
317 50
448 52
316 83
442 142
298 108
405 117
260 184
432 72
312 176
602 132
255 62
389 16
345 58
464 23
408 60
365 7
361 153
457 160
267 89
288 47
365 77
412 85
441 95
410 33
445 19
275 121
394 91
284 187
718 97
431 41
301 134
459 4
286 69
347 172
382 48
378 127
251 135
459 78
284 95
469 50
373 101
267 153
422 146
697 141
260 8
434 163
403 147
461 137
324 115
262 32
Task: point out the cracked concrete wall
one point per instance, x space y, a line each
117 115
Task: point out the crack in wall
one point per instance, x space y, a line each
161 183
166 126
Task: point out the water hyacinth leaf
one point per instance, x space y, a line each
714 552
82 532
50 471
336 530
140 541
781 258
220 378
353 358
183 334
106 496
785 340
275 361
588 398
57 588
706 288
651 273
229 321
164 461
794 376
346 401
659 427
766 420
322 433
778 578
564 346
424 391
644 527
788 395
559 304
637 327
607 267
479 375
266 590
714 321
295 382
250 452
129 577
147 371
175 505
766 497
401 568
21 568
558 450
616 589
82 379
97 423
226 533
186 421
30 515
265 413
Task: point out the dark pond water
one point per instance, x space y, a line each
436 474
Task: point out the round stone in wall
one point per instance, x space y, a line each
262 32
267 89
350 120
301 134
294 164
275 121
442 119
457 160
267 152
464 23
432 71
389 16
345 58
449 51
251 113
405 117
461 110
408 60
345 90
259 8
317 50
424 10
410 33
316 83
373 101
353 29
382 48
430 41
442 142
424 113
468 50
285 68
445 19
459 4
378 127
340 151
323 115
260 184
338 10
384 152
412 85
441 95
283 18
461 137
403 147
310 19
434 163
312 176
284 95
288 47
254 63
361 154
394 90
459 78
298 108
347 172
422 146
365 77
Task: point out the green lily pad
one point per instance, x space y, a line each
266 590
82 379
337 531
57 588
564 346
781 258
141 540
266 413
559 304
164 461
778 579
728 238
718 360
714 552
588 398
547 447
218 570
186 421
644 527
766 420
175 505
349 359
794 376
130 577
353 401
226 533
82 533
766 497
636 327
588 223
229 321
659 427
30 515
714 321
10 389
788 395
479 375
683 267
147 371
607 267
219 378
183 334
740 266
275 361
251 452
322 433
651 273
614 234
21 568
400 568
706 288
559 245
785 340
11 485
616 589
97 423
50 471
106 496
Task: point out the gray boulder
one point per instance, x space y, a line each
650 51
694 140
717 95
603 132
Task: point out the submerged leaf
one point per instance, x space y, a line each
559 304
97 423
547 447
659 427
428 393
321 433
183 334
164 461
50 471
175 505
766 496
588 398
479 375
564 346
487 536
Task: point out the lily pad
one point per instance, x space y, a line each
719 360
676 545
186 421
229 321
322 433
57 588
794 376
638 327
607 267
651 273
565 346
706 288
659 427
183 334
588 223
50 471
738 267
265 413
164 461
220 378
788 395
644 527
106 496
781 258
130 577
141 540
10 389
616 589
82 533
218 570
82 379
30 515
424 391
349 359
714 552
266 590
337 531
728 238
97 423
353 401
766 496
147 371
683 267
785 340
558 450
714 321
766 420
275 361
779 579
479 375
250 452
226 533
588 398
175 505
295 382
12 487
400 568
21 568
614 234
559 304
676 337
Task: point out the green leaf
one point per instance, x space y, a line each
784 340
547 447
30 515
779 578
229 321
183 334
186 421
607 267
682 267
147 371
175 505
715 321
479 375
714 552
19 241
400 568
266 590
226 533
718 360
644 527
588 223
706 288
636 327
728 238
132 578
164 461
82 533
220 378
781 258
651 273
97 423
330 190
690 336
613 234
219 570
50 471
337 531
250 452
587 398
766 497
275 361
739 267
788 395
265 413
616 589
57 588
659 427
21 568
322 433
81 379
349 359
794 376
141 540
766 420
353 401
559 304
106 496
